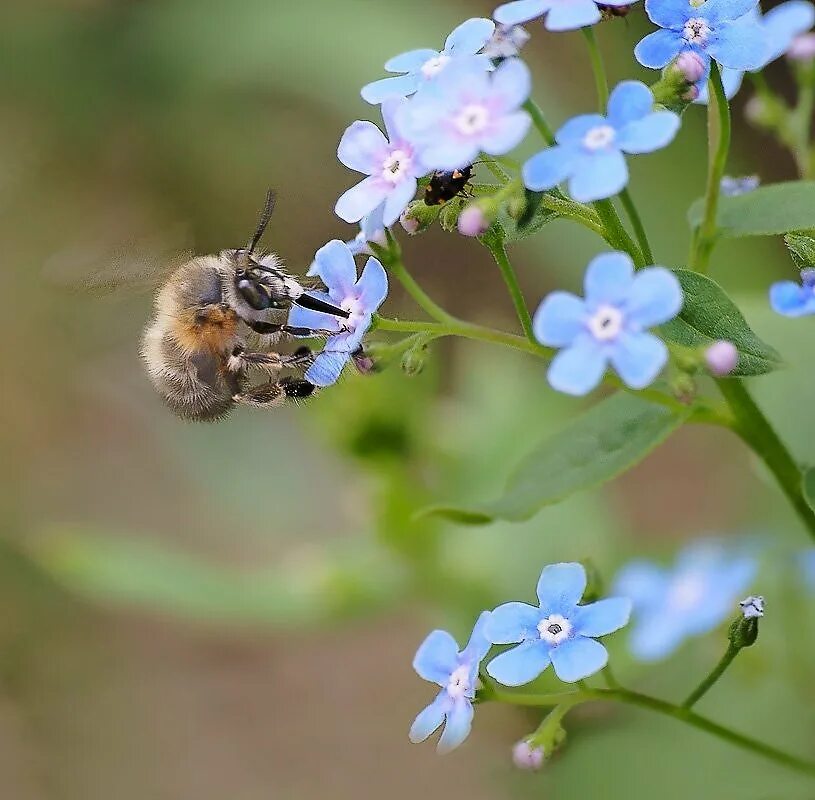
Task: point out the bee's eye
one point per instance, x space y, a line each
252 293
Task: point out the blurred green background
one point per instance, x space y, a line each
199 612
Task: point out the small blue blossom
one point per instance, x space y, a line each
609 326
793 300
733 187
423 66
361 297
561 15
589 149
392 166
670 605
439 661
467 111
724 30
558 631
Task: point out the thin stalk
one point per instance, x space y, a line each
598 68
803 123
636 223
702 689
495 244
539 121
399 271
616 235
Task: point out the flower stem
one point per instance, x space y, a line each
598 68
399 271
803 121
718 116
616 235
755 430
636 223
539 121
702 689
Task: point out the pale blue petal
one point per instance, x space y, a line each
437 658
513 622
469 37
630 100
598 176
655 297
361 199
479 645
609 278
327 368
447 154
507 133
732 80
569 15
573 131
457 727
718 10
390 115
398 86
372 286
577 369
429 719
512 83
655 637
659 48
337 269
520 665
642 582
560 318
739 45
783 23
576 659
560 588
397 200
792 300
521 11
602 617
362 147
654 132
549 167
315 320
668 13
638 358
411 61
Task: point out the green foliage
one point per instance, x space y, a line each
709 315
801 247
808 485
594 448
535 215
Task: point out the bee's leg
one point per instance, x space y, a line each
275 393
242 360
270 328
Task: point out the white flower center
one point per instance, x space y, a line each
353 306
554 629
696 31
606 324
459 683
433 66
687 593
396 166
599 138
472 119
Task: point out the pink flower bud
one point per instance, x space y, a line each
721 358
472 222
691 66
410 224
802 48
527 757
691 94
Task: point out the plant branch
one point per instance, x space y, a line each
702 689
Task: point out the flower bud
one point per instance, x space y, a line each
690 66
472 221
744 629
364 362
752 606
413 360
418 217
721 358
526 756
802 48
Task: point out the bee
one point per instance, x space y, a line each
444 186
195 346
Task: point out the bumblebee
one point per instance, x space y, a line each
196 346
444 186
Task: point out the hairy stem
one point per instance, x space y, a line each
598 68
636 222
616 235
539 121
495 244
702 689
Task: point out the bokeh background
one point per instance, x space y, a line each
194 612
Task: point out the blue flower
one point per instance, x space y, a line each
781 25
439 661
561 15
422 66
793 300
610 325
721 29
467 111
371 229
733 187
392 166
558 631
589 149
336 268
670 605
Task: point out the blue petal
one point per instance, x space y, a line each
390 115
507 133
458 725
399 86
372 286
602 617
430 718
655 637
577 369
598 176
398 199
469 37
520 665
327 368
569 15
726 10
609 279
668 13
549 167
512 83
513 622
638 358
521 11
654 132
362 147
361 199
479 645
642 582
560 318
783 23
437 658
448 154
739 45
576 659
337 269
316 320
630 100
655 297
731 83
573 131
560 588
659 48
411 61
792 300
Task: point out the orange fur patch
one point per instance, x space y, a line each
214 332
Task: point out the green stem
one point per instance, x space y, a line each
755 430
616 235
676 712
598 68
718 115
803 122
399 271
636 223
539 121
495 244
702 689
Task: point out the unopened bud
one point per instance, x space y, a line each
752 606
691 93
413 361
744 629
690 66
506 42
364 362
721 358
526 756
802 48
418 217
472 221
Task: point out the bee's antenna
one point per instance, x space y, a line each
266 215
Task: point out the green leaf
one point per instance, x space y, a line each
802 249
709 315
533 218
603 443
767 211
808 486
